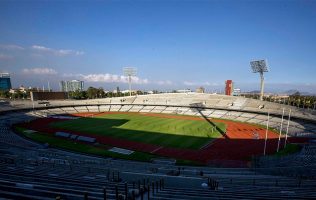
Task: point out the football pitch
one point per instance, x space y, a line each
163 130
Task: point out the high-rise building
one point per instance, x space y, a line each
62 86
5 81
71 86
229 87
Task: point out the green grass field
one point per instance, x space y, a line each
170 132
71 145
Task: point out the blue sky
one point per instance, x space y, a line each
173 44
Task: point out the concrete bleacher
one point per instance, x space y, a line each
211 102
192 111
48 182
218 113
182 110
57 111
125 108
207 112
69 110
31 171
232 115
238 103
82 109
51 174
147 109
159 109
93 108
104 108
255 121
239 115
115 108
170 110
302 164
178 99
224 103
136 108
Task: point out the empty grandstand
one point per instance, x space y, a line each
31 170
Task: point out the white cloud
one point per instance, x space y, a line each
206 83
57 52
36 55
188 83
40 71
109 78
79 53
71 75
138 80
5 57
11 47
41 48
113 78
65 52
164 82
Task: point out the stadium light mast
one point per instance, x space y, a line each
129 72
260 66
287 128
281 125
266 138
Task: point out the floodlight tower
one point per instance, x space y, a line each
130 71
260 66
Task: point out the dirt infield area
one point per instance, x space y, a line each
240 142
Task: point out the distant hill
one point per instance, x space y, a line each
255 91
290 92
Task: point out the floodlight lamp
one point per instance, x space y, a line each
259 66
129 71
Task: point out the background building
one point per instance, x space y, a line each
229 87
200 90
236 92
183 91
71 86
5 81
35 96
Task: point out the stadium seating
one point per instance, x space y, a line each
178 103
34 171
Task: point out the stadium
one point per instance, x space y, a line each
159 146
157 100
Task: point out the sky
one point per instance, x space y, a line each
173 44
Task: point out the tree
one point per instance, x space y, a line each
101 92
4 94
77 94
109 94
139 92
18 94
92 93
